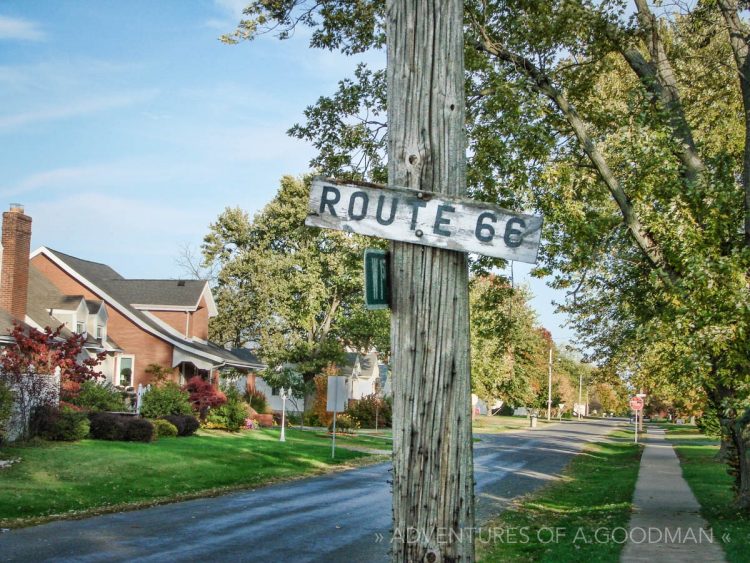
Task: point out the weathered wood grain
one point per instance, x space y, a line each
422 217
433 485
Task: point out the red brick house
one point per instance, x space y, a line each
137 322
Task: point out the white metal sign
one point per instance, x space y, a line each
424 218
337 395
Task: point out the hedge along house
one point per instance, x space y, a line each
144 321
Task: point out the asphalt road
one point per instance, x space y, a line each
331 518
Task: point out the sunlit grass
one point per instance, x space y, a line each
54 479
486 424
559 521
712 486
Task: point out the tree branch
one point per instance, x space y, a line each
643 239
658 77
738 40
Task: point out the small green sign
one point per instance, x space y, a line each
377 279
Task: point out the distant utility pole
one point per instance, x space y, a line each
580 387
433 482
587 400
549 387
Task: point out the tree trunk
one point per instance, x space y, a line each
735 442
433 486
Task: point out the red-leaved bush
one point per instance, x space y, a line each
27 364
203 396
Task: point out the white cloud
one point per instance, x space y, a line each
17 28
110 176
76 108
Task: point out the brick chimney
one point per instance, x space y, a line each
14 274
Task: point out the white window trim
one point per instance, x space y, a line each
119 368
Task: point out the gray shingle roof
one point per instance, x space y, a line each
180 293
6 326
43 296
150 292
89 270
247 355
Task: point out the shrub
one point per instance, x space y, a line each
107 426
567 415
164 428
311 419
344 424
63 424
507 409
163 400
293 419
139 430
186 424
97 397
367 409
257 400
6 408
203 396
229 416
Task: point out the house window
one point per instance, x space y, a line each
80 327
99 332
126 371
275 391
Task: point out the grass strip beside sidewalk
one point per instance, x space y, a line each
712 486
54 480
582 517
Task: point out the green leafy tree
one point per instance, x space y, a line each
292 381
510 351
298 289
629 133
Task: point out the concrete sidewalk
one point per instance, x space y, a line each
666 524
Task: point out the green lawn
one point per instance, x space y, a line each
57 479
484 424
712 486
561 520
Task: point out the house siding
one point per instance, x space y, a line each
175 319
199 321
130 337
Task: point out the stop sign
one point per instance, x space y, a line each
636 403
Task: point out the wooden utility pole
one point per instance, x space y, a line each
433 485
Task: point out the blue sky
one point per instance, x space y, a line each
127 127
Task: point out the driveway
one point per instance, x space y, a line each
335 517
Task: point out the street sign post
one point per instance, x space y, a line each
335 401
636 403
377 279
431 219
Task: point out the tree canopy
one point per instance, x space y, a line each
294 291
626 125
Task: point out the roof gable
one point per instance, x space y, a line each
114 289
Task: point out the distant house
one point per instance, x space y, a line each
137 322
364 374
